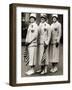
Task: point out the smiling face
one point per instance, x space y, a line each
54 19
42 20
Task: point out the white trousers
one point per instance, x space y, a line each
32 55
41 51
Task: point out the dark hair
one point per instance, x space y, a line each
32 17
44 18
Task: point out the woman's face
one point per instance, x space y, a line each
54 19
42 20
32 20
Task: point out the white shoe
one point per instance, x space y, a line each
30 72
52 70
38 71
55 69
43 72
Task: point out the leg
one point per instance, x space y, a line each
44 69
41 50
46 63
31 61
54 65
54 57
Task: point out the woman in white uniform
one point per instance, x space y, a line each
45 35
31 42
55 41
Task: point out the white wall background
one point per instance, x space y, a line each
4 45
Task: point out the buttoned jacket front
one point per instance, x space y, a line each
32 34
45 33
55 32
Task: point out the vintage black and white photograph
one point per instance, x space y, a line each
40 44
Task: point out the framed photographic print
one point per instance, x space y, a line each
39 44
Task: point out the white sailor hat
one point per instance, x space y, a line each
43 15
33 15
55 15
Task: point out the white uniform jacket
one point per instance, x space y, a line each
45 33
32 34
56 32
